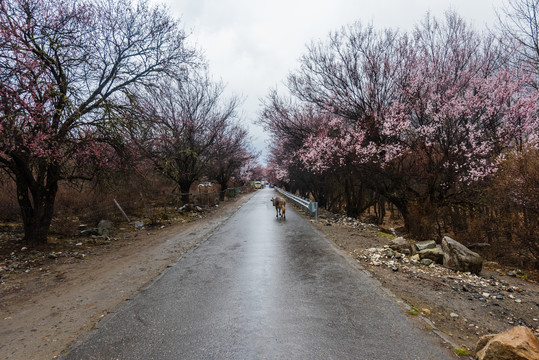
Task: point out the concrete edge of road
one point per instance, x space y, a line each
126 303
403 305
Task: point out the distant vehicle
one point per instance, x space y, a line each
258 185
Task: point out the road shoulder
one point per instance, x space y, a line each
41 315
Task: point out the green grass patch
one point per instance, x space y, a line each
413 311
386 235
461 352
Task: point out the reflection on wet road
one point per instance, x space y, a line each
260 288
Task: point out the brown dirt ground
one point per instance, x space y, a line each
49 301
62 296
439 291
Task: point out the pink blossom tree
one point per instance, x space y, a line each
458 109
254 171
228 155
62 65
418 119
290 125
351 79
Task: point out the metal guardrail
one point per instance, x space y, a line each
310 206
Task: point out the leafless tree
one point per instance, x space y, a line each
519 22
176 123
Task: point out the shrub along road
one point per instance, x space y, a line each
261 287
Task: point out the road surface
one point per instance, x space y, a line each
260 288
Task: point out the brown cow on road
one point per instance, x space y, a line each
280 206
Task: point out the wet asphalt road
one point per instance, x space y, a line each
260 288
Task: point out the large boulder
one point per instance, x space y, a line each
518 343
458 257
435 254
400 244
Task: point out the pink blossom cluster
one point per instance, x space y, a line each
335 146
452 108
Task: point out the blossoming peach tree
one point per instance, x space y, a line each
423 116
62 63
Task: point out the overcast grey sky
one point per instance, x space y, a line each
252 45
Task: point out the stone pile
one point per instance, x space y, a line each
451 254
347 221
478 287
191 210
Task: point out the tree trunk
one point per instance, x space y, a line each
420 220
380 205
185 187
223 190
358 198
37 208
352 207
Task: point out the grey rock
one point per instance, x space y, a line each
436 254
103 227
89 232
105 224
458 257
426 262
430 244
400 244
